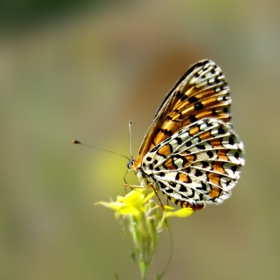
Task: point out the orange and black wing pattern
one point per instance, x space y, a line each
191 152
201 92
197 165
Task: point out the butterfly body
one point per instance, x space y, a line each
191 152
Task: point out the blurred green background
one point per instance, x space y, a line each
82 70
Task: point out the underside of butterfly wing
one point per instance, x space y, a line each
201 92
197 165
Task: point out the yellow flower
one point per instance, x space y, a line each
135 202
132 204
143 220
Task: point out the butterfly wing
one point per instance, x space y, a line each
201 92
198 165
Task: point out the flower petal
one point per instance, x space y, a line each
181 213
120 207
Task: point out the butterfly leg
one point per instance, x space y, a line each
167 200
155 191
133 187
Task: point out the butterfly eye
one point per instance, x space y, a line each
130 163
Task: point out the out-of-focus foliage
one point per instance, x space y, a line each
16 14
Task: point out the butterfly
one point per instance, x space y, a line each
191 152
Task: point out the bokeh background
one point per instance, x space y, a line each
82 70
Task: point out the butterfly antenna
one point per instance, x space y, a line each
130 138
108 151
